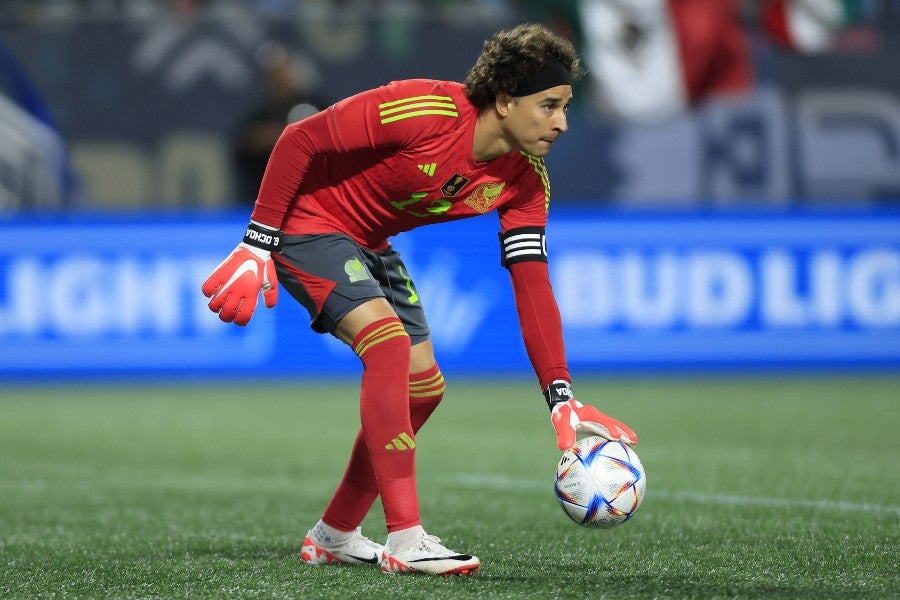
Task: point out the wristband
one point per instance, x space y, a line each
263 237
558 391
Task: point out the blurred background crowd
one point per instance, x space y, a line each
170 104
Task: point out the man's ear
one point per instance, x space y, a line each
503 103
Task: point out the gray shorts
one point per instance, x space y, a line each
330 275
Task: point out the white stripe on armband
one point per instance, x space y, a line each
530 244
522 236
511 255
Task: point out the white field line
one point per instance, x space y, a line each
509 483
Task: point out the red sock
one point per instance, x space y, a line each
356 492
426 389
384 348
358 489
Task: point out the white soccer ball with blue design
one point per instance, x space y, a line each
600 483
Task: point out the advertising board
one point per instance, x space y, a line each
641 291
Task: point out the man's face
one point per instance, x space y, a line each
534 122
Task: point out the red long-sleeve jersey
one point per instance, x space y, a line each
398 157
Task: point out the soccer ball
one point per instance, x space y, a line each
600 483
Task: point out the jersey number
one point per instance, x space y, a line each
437 207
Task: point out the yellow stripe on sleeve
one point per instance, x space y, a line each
541 169
416 106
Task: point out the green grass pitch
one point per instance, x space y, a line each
757 488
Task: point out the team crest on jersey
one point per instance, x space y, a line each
484 196
454 185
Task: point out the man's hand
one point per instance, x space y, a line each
572 419
233 288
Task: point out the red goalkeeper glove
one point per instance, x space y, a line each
572 419
234 286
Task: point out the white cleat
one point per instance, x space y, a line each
358 550
427 556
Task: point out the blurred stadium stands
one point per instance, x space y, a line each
147 93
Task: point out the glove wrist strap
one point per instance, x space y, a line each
260 236
558 391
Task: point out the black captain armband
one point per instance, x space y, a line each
263 237
523 244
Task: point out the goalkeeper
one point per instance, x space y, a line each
337 186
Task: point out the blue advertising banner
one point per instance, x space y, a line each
112 297
730 290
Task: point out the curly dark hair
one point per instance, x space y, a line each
511 56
